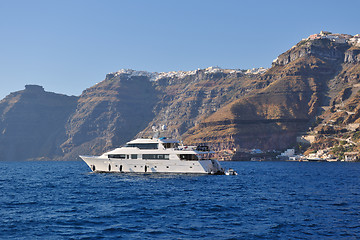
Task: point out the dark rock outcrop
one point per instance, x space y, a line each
32 124
352 55
321 48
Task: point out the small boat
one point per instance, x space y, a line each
316 159
157 155
231 172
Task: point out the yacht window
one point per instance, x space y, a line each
133 156
170 145
122 156
143 145
188 157
156 156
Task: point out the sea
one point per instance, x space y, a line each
266 200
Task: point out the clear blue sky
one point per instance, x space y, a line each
68 46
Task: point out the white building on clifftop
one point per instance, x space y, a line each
335 37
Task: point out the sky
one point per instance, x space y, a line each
68 46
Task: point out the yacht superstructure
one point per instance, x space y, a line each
156 155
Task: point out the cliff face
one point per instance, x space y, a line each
233 111
320 48
303 79
32 124
109 114
186 100
352 55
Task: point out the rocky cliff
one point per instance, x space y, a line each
273 116
233 111
109 114
320 48
32 124
187 99
129 103
302 81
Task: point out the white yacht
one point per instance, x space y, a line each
156 155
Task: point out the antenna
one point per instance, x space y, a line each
178 136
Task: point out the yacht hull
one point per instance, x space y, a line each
99 164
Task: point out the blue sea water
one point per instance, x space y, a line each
267 200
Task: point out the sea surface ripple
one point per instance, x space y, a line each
267 200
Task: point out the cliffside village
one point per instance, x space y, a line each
322 155
337 38
347 135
